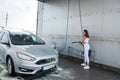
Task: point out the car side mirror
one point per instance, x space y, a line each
4 42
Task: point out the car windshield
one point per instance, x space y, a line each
25 39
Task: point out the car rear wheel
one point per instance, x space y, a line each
10 67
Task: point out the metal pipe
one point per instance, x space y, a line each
80 16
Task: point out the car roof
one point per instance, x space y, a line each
17 32
20 33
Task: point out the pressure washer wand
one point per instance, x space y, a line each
78 42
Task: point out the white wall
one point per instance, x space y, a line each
100 17
21 13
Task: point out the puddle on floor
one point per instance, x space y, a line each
60 74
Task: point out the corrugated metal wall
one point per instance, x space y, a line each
100 17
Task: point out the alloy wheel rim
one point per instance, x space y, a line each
9 66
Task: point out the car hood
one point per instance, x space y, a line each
37 50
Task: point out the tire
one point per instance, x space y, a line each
54 69
10 67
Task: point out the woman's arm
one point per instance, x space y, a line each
83 39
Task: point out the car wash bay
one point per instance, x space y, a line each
60 22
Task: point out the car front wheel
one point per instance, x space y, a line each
10 67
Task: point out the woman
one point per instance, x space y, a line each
85 42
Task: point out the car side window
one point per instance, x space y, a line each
1 34
5 37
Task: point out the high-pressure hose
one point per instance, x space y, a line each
65 43
80 17
68 23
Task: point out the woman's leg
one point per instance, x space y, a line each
85 61
86 56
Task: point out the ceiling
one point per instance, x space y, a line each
42 0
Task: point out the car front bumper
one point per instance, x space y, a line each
29 67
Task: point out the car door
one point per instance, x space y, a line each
1 34
4 47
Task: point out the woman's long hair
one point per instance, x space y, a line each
86 33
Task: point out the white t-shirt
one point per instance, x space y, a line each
86 43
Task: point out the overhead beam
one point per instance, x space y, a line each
41 0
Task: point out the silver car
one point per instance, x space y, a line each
26 53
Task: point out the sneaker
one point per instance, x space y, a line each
86 67
83 64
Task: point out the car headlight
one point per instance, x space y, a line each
25 57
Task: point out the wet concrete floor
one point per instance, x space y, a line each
67 70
